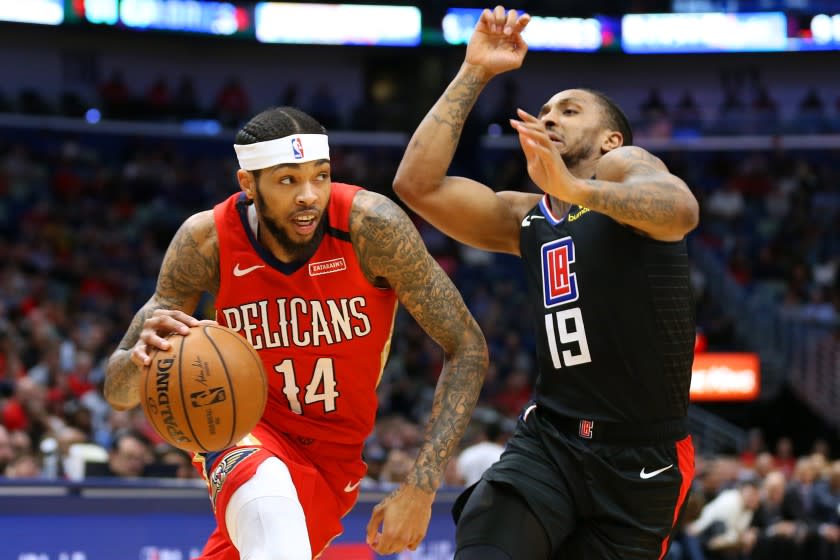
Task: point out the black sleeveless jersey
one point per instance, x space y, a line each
615 317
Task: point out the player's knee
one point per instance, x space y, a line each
272 528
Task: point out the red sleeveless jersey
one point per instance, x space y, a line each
321 328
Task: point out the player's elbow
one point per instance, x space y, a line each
411 189
402 187
689 215
115 398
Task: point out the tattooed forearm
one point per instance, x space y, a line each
457 102
432 146
391 251
189 268
635 187
122 377
655 200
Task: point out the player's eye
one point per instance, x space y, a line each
570 112
324 176
287 180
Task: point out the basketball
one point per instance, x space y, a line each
207 391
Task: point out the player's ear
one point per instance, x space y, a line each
612 139
246 183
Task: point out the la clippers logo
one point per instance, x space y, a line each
585 429
297 147
559 282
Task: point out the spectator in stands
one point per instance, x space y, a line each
765 111
724 522
7 452
811 115
185 100
324 107
687 114
158 100
653 107
232 105
26 465
784 456
115 96
477 457
755 445
179 460
130 453
775 526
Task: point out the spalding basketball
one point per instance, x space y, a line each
207 391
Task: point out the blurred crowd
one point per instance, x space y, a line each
742 102
763 504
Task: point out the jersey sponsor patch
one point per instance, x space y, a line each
326 267
224 468
559 282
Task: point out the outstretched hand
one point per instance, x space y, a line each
545 163
496 43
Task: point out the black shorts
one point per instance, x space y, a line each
608 497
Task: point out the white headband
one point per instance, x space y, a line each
296 148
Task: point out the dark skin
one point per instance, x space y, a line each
392 254
567 143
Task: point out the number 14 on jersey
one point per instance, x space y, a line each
323 377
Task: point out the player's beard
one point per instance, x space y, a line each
299 251
574 156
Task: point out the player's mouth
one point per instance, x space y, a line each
555 139
305 223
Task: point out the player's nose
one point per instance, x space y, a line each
307 194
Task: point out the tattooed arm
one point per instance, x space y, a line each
631 185
393 254
462 208
190 267
635 188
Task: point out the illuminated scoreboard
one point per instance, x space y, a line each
186 16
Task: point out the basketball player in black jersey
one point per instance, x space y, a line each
601 462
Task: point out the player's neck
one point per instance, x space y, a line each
585 168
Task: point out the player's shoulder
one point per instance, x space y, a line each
374 209
201 223
201 227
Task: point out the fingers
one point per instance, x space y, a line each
534 130
179 316
140 356
498 18
373 526
521 23
510 21
527 117
158 326
504 21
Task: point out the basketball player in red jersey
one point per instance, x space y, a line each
311 272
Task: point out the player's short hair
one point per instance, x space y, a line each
277 122
615 117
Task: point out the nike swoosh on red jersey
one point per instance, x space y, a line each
243 271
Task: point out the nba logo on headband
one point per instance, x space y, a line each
297 147
288 149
